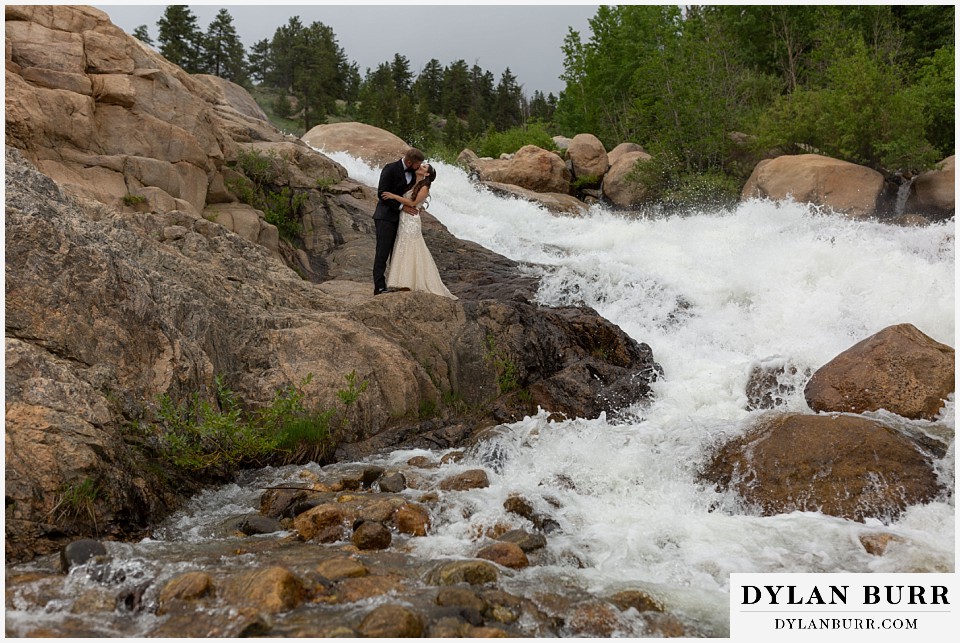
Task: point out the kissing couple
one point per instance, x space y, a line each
400 241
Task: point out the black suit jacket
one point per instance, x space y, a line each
392 179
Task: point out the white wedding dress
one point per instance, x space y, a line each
411 264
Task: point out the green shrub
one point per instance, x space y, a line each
134 199
76 501
508 373
668 185
281 206
494 143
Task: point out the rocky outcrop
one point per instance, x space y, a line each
110 306
810 178
933 193
898 369
375 146
617 185
109 118
841 465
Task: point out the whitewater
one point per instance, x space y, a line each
714 294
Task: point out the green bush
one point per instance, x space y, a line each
494 143
862 113
675 189
281 206
216 436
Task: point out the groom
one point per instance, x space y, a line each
396 177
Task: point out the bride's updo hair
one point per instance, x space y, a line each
427 180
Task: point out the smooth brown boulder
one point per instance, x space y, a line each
841 465
375 146
934 193
899 369
843 187
588 157
618 187
614 155
531 167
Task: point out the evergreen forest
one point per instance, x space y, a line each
693 85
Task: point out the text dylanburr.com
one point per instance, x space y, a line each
909 607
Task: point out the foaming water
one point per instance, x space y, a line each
713 294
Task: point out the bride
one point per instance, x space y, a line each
411 264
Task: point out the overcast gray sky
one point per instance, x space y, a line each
525 38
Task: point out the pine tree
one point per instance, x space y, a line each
258 60
143 35
402 76
224 54
180 39
429 85
508 109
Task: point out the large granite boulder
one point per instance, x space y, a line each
898 369
614 155
843 187
588 158
532 168
841 465
375 146
617 185
933 193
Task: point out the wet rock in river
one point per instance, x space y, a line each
393 483
380 510
506 554
876 544
79 552
352 590
391 621
371 535
527 541
637 599
413 519
271 590
472 479
474 572
338 568
325 523
460 597
186 587
593 618
370 475
252 524
519 505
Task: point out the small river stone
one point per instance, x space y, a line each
79 552
393 483
371 535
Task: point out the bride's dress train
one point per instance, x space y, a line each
411 264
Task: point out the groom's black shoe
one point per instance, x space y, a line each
380 292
